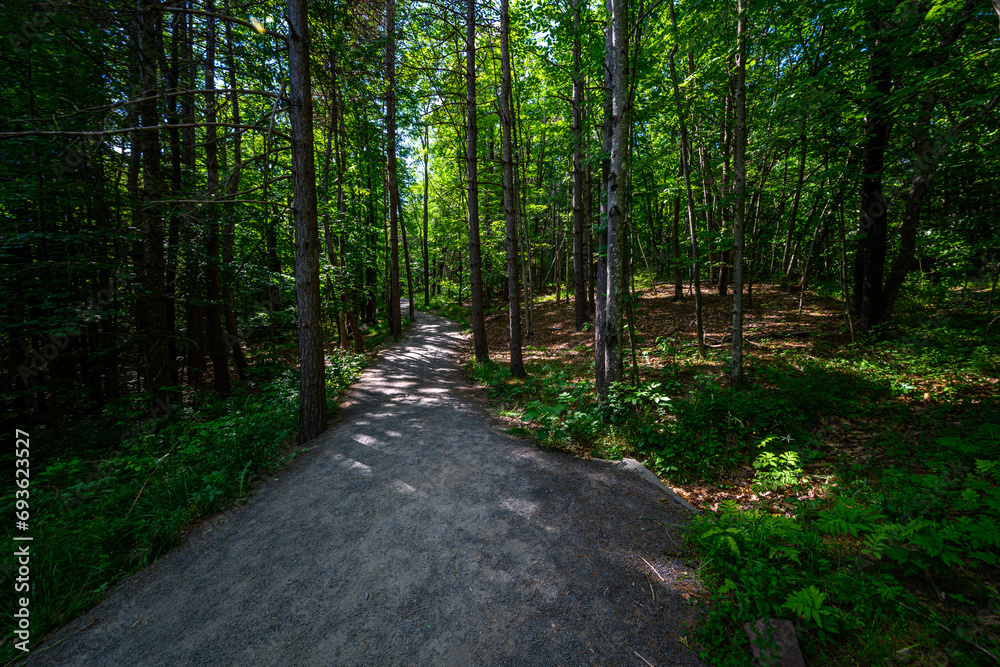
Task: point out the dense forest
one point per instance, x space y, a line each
211 210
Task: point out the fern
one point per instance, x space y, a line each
808 603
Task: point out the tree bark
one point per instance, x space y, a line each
579 289
617 235
472 177
427 280
312 394
395 317
740 192
409 274
509 196
869 261
156 353
229 229
216 341
686 170
601 288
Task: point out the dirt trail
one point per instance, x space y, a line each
412 533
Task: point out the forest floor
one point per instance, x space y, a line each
412 532
774 328
852 484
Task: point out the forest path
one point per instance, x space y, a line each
411 533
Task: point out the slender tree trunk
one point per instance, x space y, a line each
409 273
509 195
229 229
178 35
395 317
427 282
524 143
333 141
312 394
740 192
601 290
472 176
216 340
579 289
786 263
156 352
617 234
686 169
675 249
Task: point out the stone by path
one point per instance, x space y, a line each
411 533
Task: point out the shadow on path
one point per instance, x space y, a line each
412 533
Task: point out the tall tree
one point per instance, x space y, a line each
740 177
510 195
395 316
150 53
601 286
686 172
579 293
617 235
425 144
312 382
216 339
472 178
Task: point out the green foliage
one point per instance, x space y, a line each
844 566
102 515
776 471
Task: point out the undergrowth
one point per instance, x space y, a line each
873 472
99 513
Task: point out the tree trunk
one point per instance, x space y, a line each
579 290
740 192
686 169
427 280
156 352
229 229
601 289
312 394
786 262
409 274
395 317
472 177
216 341
509 195
617 235
869 261
675 249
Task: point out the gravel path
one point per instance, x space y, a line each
412 533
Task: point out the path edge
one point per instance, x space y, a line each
638 469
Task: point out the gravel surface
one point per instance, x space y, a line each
411 533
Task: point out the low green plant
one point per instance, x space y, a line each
844 566
775 470
102 514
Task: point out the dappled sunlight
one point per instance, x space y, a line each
772 322
352 465
520 507
406 489
566 540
